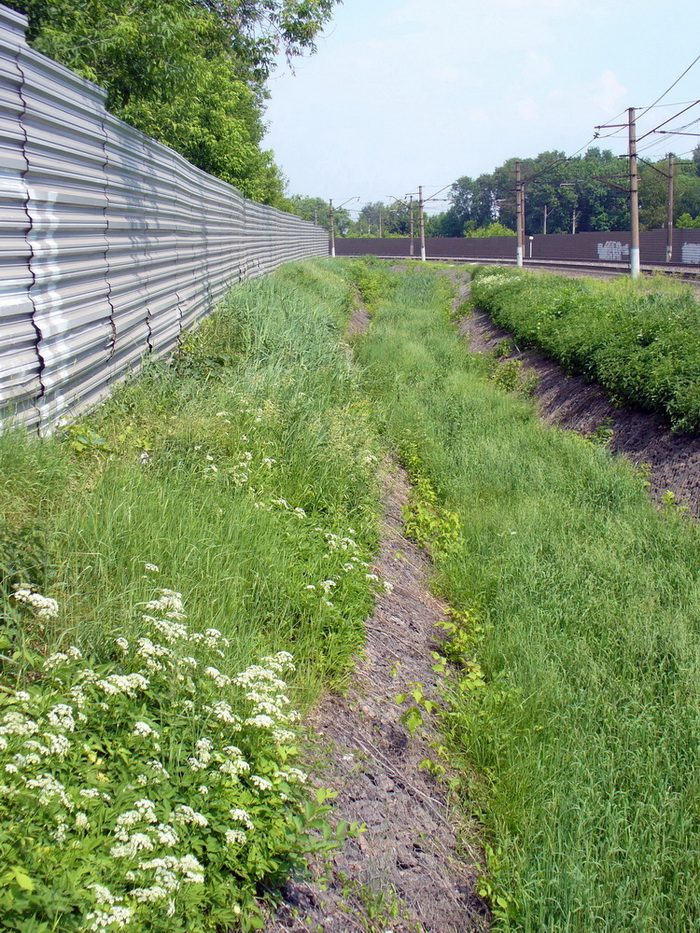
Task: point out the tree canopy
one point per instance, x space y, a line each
190 73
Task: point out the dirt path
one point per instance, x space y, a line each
406 873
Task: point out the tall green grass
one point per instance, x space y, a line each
640 341
581 755
230 468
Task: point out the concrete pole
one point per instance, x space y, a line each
332 230
421 216
669 212
411 251
634 194
519 224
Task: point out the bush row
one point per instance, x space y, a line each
640 341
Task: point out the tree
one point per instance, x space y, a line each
492 229
190 73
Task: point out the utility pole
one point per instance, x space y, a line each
574 215
380 223
411 250
332 230
519 213
544 225
669 214
634 193
315 215
421 216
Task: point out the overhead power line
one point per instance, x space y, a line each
670 88
657 129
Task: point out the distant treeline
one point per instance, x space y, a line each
561 195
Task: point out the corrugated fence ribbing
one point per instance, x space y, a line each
111 244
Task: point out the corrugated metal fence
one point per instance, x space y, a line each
111 244
609 246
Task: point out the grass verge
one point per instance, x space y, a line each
217 510
577 610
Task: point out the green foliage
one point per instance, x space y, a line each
188 74
245 471
640 342
575 736
492 229
688 222
163 787
371 282
559 187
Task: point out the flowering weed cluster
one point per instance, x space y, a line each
152 792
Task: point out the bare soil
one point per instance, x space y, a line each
414 869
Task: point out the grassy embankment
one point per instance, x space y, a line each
641 342
245 472
575 724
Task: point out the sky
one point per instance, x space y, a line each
404 93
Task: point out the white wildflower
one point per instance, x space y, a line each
103 895
15 723
143 729
167 835
116 916
61 717
130 684
191 869
138 842
186 815
241 816
56 660
235 837
81 820
327 586
151 568
43 606
49 787
122 643
260 782
260 721
221 680
58 744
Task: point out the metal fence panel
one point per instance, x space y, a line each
111 244
64 149
19 362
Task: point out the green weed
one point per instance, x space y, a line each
245 471
578 739
640 341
